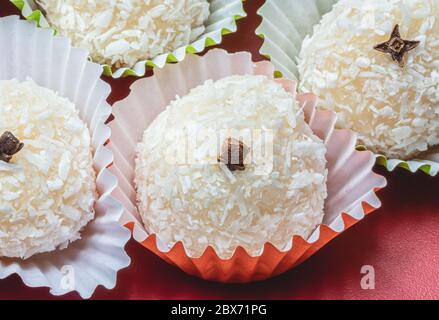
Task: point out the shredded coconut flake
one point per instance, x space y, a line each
123 32
47 191
395 110
201 202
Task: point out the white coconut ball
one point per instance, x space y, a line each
123 32
395 110
47 190
185 194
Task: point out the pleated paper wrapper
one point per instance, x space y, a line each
352 184
95 259
222 21
284 26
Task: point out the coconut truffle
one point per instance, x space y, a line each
123 32
187 193
48 188
394 109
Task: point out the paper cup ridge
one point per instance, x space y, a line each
351 182
221 22
31 52
284 26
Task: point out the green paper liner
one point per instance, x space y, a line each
96 258
284 26
222 21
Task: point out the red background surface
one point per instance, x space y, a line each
401 240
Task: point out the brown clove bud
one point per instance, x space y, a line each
9 145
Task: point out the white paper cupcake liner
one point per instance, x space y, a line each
351 182
284 26
30 52
222 21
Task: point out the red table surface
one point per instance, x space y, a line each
400 240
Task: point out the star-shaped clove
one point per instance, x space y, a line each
397 47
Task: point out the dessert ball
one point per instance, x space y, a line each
233 163
123 32
47 183
376 64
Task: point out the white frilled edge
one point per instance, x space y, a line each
351 182
31 52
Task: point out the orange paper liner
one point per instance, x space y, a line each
242 268
351 181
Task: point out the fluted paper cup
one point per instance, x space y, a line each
95 259
351 182
284 26
221 22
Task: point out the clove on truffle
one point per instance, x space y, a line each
9 145
233 153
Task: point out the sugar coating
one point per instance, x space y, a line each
47 191
124 32
395 110
199 201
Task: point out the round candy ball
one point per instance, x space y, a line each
123 32
47 184
233 163
393 106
